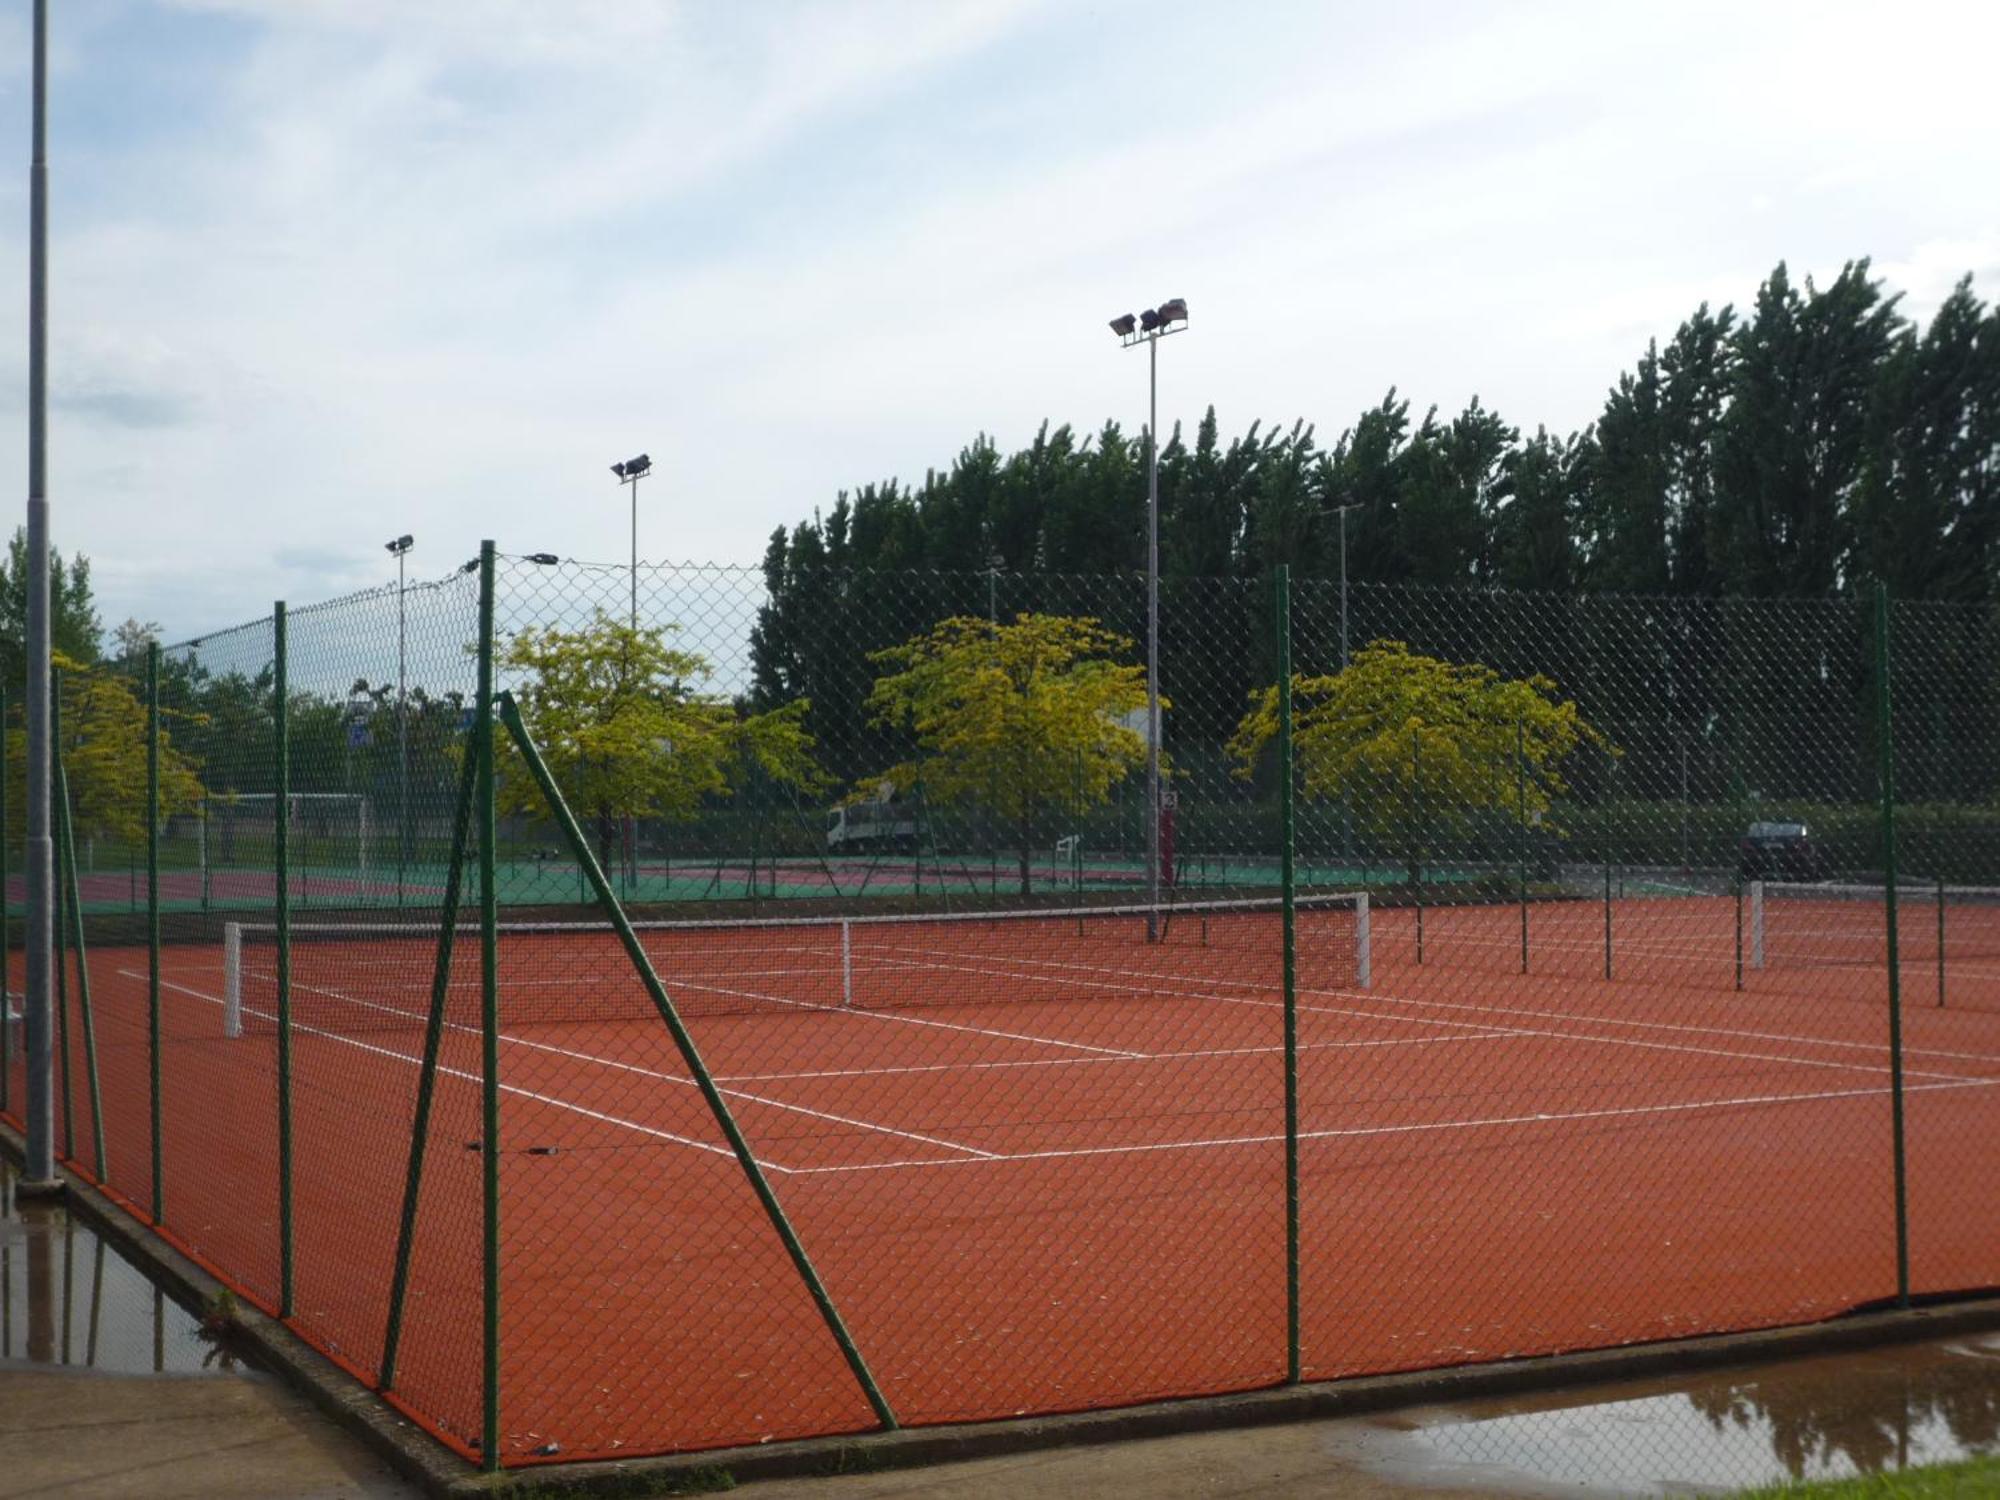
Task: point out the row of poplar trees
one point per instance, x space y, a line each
1801 448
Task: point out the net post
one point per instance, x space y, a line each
281 819
232 979
153 916
1756 924
66 837
1940 936
1885 739
1288 901
489 1029
684 1040
406 1232
846 962
1364 943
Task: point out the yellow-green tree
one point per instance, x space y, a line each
104 757
628 728
1020 717
1418 745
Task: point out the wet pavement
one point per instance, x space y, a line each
108 1387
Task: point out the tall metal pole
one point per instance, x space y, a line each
634 483
39 1176
1153 643
402 724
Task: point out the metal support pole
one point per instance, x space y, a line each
1287 877
38 1177
489 1029
153 914
6 932
1885 737
1153 807
402 724
281 850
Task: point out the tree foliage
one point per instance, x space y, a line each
74 629
629 729
1418 746
1021 717
1803 447
103 747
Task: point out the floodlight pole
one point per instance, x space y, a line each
401 547
1153 800
40 1174
1157 325
1346 808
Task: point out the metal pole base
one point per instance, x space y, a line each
39 1189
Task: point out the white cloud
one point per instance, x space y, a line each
429 267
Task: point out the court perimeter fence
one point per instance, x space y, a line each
616 1010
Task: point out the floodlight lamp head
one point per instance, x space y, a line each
1148 321
634 467
1173 310
400 545
1123 326
619 470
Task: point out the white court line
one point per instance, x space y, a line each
1084 1062
1490 1008
616 1065
1423 1127
474 1079
1510 1031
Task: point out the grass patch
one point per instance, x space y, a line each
1960 1481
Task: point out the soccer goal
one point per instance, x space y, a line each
331 839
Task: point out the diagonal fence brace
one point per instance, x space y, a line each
510 714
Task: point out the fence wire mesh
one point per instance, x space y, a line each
960 1104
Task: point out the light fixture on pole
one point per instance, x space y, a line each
1148 328
400 549
630 472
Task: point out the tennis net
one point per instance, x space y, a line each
374 975
1797 925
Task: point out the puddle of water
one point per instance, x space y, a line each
68 1299
1827 1417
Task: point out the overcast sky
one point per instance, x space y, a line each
324 271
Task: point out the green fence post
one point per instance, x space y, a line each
489 1029
153 913
684 1039
59 892
1887 751
66 837
406 1232
1521 841
6 927
1288 888
282 858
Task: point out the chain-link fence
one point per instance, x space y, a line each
699 1006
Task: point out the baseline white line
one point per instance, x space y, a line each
1417 1128
1084 1062
1513 1031
1488 1008
474 1079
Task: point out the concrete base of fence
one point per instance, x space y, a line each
422 1460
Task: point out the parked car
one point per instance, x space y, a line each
1779 851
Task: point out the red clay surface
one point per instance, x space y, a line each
1047 1173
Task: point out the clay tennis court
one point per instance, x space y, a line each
1041 1165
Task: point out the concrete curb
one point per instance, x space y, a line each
422 1460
